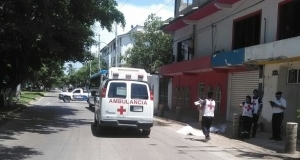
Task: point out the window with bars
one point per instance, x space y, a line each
246 31
289 25
186 93
218 98
208 89
293 76
201 90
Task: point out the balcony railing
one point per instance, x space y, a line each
187 6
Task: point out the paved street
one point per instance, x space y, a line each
52 129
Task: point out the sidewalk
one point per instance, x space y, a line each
260 142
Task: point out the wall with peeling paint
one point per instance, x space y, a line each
291 93
287 48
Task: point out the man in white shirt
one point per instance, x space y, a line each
208 107
278 105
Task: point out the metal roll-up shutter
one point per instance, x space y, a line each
242 84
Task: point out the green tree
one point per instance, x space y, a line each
81 77
47 76
34 33
152 48
70 68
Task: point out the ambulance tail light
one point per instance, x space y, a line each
103 93
141 76
128 76
151 95
116 75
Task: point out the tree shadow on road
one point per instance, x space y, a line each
17 152
42 120
119 133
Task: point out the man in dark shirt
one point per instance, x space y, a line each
257 104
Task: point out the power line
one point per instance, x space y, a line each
123 4
159 10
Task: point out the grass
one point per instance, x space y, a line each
25 99
27 96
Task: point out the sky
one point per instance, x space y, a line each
135 13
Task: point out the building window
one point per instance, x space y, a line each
201 90
120 41
186 97
293 76
184 50
218 98
208 89
246 31
289 15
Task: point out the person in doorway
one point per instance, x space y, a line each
257 107
247 116
208 107
278 105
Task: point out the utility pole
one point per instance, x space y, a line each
90 65
99 53
116 33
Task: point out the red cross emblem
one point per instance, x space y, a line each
210 106
248 108
121 110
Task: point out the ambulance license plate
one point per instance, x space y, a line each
137 108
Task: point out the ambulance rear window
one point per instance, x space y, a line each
139 91
117 90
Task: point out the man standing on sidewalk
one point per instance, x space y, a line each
257 104
278 105
208 105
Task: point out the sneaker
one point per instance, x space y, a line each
208 138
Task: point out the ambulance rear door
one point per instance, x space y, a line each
115 105
140 102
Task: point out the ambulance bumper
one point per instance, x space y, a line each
127 124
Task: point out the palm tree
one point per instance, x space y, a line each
70 68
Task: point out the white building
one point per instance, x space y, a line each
232 47
110 51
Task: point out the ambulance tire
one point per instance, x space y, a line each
146 132
99 129
67 99
95 122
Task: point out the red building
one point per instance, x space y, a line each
194 78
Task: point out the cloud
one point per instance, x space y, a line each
135 15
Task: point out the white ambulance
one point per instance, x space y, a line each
125 100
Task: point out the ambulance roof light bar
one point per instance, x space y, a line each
128 74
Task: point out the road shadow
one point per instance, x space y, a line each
17 152
90 109
119 133
41 120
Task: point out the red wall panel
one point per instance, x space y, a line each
213 79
